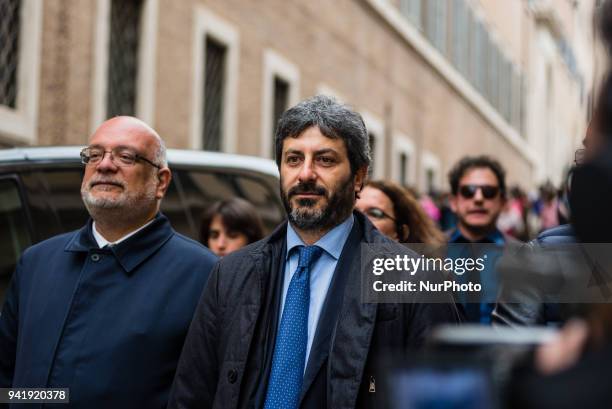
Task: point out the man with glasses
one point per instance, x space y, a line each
478 195
104 310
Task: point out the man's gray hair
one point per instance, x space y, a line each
334 120
160 152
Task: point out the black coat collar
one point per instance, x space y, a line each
131 252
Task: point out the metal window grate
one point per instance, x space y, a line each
123 57
10 24
281 102
412 9
214 89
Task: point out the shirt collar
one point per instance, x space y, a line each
103 242
134 250
332 242
495 237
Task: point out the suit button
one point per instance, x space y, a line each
95 258
232 375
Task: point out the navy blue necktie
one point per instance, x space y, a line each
288 361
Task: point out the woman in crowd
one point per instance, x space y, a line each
397 214
229 225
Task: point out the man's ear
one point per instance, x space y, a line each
164 176
360 178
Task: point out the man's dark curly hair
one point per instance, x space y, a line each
472 162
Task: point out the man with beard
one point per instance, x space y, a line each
478 195
281 323
104 310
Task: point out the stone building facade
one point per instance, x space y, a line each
434 79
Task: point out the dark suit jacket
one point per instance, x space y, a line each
226 357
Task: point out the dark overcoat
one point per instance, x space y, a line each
107 323
226 359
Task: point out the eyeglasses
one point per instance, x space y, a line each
120 156
488 191
377 213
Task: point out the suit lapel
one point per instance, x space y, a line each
333 302
352 336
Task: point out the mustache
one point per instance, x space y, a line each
115 182
307 188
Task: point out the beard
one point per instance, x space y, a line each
124 206
306 216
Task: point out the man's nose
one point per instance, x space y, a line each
307 172
106 164
478 197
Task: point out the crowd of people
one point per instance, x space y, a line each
127 313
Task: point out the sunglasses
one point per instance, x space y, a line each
376 213
488 191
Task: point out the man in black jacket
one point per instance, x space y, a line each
281 322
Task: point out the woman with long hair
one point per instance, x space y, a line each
397 214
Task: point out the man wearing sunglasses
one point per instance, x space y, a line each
478 191
104 310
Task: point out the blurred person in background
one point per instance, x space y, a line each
396 213
478 188
429 206
574 370
229 225
448 220
512 219
532 311
549 208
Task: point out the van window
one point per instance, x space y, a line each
172 207
200 188
14 233
43 219
64 193
263 198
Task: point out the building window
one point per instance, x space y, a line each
430 179
440 41
125 26
436 18
412 10
215 83
461 43
281 81
517 103
10 24
479 58
404 163
376 136
430 183
280 103
493 79
214 80
20 54
505 98
402 160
